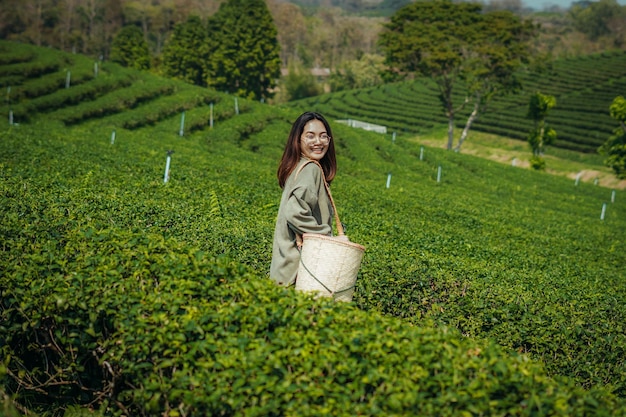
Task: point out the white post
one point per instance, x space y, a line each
211 117
421 153
67 79
113 137
603 211
182 124
388 180
578 178
514 162
11 117
95 70
236 106
393 137
166 177
613 196
439 173
595 182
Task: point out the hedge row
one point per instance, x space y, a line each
87 91
138 93
581 86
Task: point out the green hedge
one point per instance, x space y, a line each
141 325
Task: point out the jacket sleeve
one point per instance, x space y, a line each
303 209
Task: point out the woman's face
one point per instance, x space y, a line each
314 140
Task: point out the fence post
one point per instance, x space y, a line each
181 131
168 160
603 211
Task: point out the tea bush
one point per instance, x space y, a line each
581 86
492 291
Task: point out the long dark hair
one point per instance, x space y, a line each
293 150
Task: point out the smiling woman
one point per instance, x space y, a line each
305 206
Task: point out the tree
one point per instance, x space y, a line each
289 24
130 48
362 73
596 19
542 134
461 48
615 146
244 51
185 53
299 83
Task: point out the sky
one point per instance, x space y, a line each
565 4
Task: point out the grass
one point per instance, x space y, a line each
560 162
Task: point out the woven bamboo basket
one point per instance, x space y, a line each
329 266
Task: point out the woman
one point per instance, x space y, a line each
305 206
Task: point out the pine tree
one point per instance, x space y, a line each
130 48
244 51
186 52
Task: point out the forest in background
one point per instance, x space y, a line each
311 33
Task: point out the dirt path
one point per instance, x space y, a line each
515 152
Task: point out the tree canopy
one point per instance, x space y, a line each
130 48
461 48
244 50
186 53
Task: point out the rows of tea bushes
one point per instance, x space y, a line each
584 88
144 298
485 289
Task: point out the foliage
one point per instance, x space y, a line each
362 73
130 48
542 134
299 83
495 291
615 146
460 48
244 55
597 19
584 88
186 52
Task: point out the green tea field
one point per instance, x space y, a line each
583 87
125 290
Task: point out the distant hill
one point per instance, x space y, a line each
584 88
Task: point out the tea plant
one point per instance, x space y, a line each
489 290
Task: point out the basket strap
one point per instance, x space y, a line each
340 230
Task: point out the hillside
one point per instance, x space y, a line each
485 290
584 88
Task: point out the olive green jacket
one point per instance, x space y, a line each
304 208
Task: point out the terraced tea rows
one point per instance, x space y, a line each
584 89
